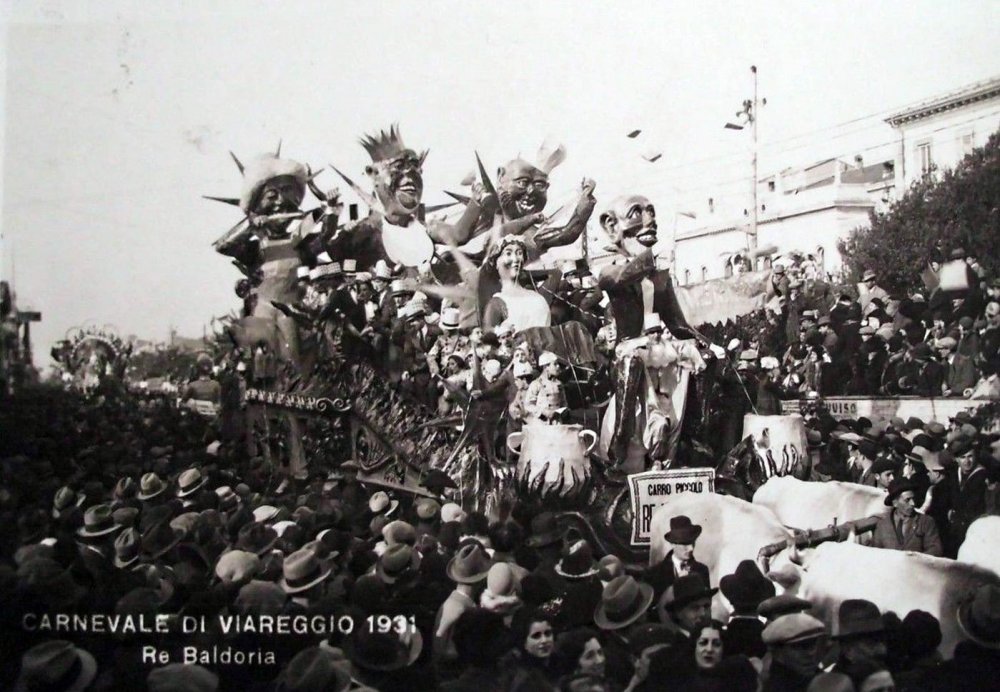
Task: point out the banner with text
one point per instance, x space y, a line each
651 489
880 410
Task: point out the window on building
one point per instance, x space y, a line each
727 271
967 143
704 273
770 186
924 157
687 277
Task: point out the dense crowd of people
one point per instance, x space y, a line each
129 508
942 342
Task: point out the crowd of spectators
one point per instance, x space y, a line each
124 508
932 343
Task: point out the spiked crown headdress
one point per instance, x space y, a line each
385 145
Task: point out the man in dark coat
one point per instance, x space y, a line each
903 528
680 560
969 501
745 589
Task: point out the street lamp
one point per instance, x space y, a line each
748 116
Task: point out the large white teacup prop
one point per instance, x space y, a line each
553 457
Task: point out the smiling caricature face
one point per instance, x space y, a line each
632 219
523 189
399 183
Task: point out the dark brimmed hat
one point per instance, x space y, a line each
127 546
182 676
884 463
577 561
314 669
97 521
470 565
858 618
160 538
56 666
746 588
979 616
545 531
896 488
370 649
436 481
682 531
256 538
396 561
623 601
303 570
686 590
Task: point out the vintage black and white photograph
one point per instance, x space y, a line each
557 346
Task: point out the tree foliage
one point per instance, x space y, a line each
945 210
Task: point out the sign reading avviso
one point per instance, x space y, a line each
880 410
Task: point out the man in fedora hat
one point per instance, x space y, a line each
467 569
56 666
977 658
687 603
679 561
903 528
745 590
304 577
860 632
582 593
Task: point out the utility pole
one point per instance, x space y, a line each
748 114
752 238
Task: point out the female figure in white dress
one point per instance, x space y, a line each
513 305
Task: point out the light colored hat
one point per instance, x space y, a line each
325 271
237 566
362 277
546 358
652 322
323 258
451 319
265 513
768 363
263 169
504 329
452 512
382 271
402 286
734 345
189 482
868 275
302 273
589 281
379 503
350 266
523 369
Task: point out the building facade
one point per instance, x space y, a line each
937 133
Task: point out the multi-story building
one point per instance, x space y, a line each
805 210
935 134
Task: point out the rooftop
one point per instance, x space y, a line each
979 91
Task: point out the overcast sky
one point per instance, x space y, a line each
118 119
